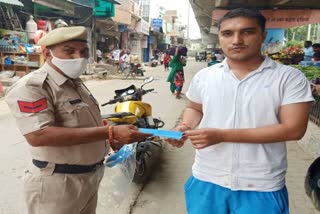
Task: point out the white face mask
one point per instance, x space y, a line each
73 68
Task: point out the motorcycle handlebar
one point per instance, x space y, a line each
110 102
113 101
147 91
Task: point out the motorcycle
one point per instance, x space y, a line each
130 109
154 62
135 69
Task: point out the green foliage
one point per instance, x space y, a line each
310 72
300 33
294 43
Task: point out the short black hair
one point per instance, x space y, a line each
247 13
308 43
316 45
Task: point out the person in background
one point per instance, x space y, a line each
243 108
178 82
213 61
99 55
316 47
219 56
177 63
316 57
166 61
161 56
125 61
308 51
122 52
61 122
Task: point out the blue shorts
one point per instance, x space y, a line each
208 198
178 88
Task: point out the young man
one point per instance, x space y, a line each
308 51
246 108
61 121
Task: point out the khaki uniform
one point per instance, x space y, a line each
46 98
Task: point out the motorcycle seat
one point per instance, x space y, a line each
120 91
117 115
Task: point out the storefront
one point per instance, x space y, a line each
138 41
107 36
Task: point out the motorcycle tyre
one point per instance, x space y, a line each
144 167
141 173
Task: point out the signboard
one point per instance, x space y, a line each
143 27
122 17
169 27
167 40
144 42
156 25
281 18
274 40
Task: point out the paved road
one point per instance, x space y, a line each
164 193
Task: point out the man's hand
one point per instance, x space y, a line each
202 138
126 134
178 143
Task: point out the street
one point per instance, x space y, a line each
164 193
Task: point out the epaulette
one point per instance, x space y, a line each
37 78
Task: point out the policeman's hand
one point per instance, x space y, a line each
202 138
178 143
127 134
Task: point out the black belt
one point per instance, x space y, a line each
69 168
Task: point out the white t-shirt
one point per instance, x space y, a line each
116 55
99 53
229 103
125 58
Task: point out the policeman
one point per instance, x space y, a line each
61 121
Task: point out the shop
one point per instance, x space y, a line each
17 56
138 38
107 36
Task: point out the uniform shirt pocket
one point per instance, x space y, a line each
74 115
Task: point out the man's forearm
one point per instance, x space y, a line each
267 134
60 136
191 117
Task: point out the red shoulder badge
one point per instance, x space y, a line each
33 107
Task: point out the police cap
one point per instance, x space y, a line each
64 34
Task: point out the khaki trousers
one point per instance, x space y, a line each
46 192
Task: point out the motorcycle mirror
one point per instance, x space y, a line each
147 80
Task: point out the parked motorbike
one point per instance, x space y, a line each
135 69
130 109
153 62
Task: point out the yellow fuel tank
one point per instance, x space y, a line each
137 108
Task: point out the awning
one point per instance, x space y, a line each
113 1
12 2
104 9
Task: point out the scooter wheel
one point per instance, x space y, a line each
141 173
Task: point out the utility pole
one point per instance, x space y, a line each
309 32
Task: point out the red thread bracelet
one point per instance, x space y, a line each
110 136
